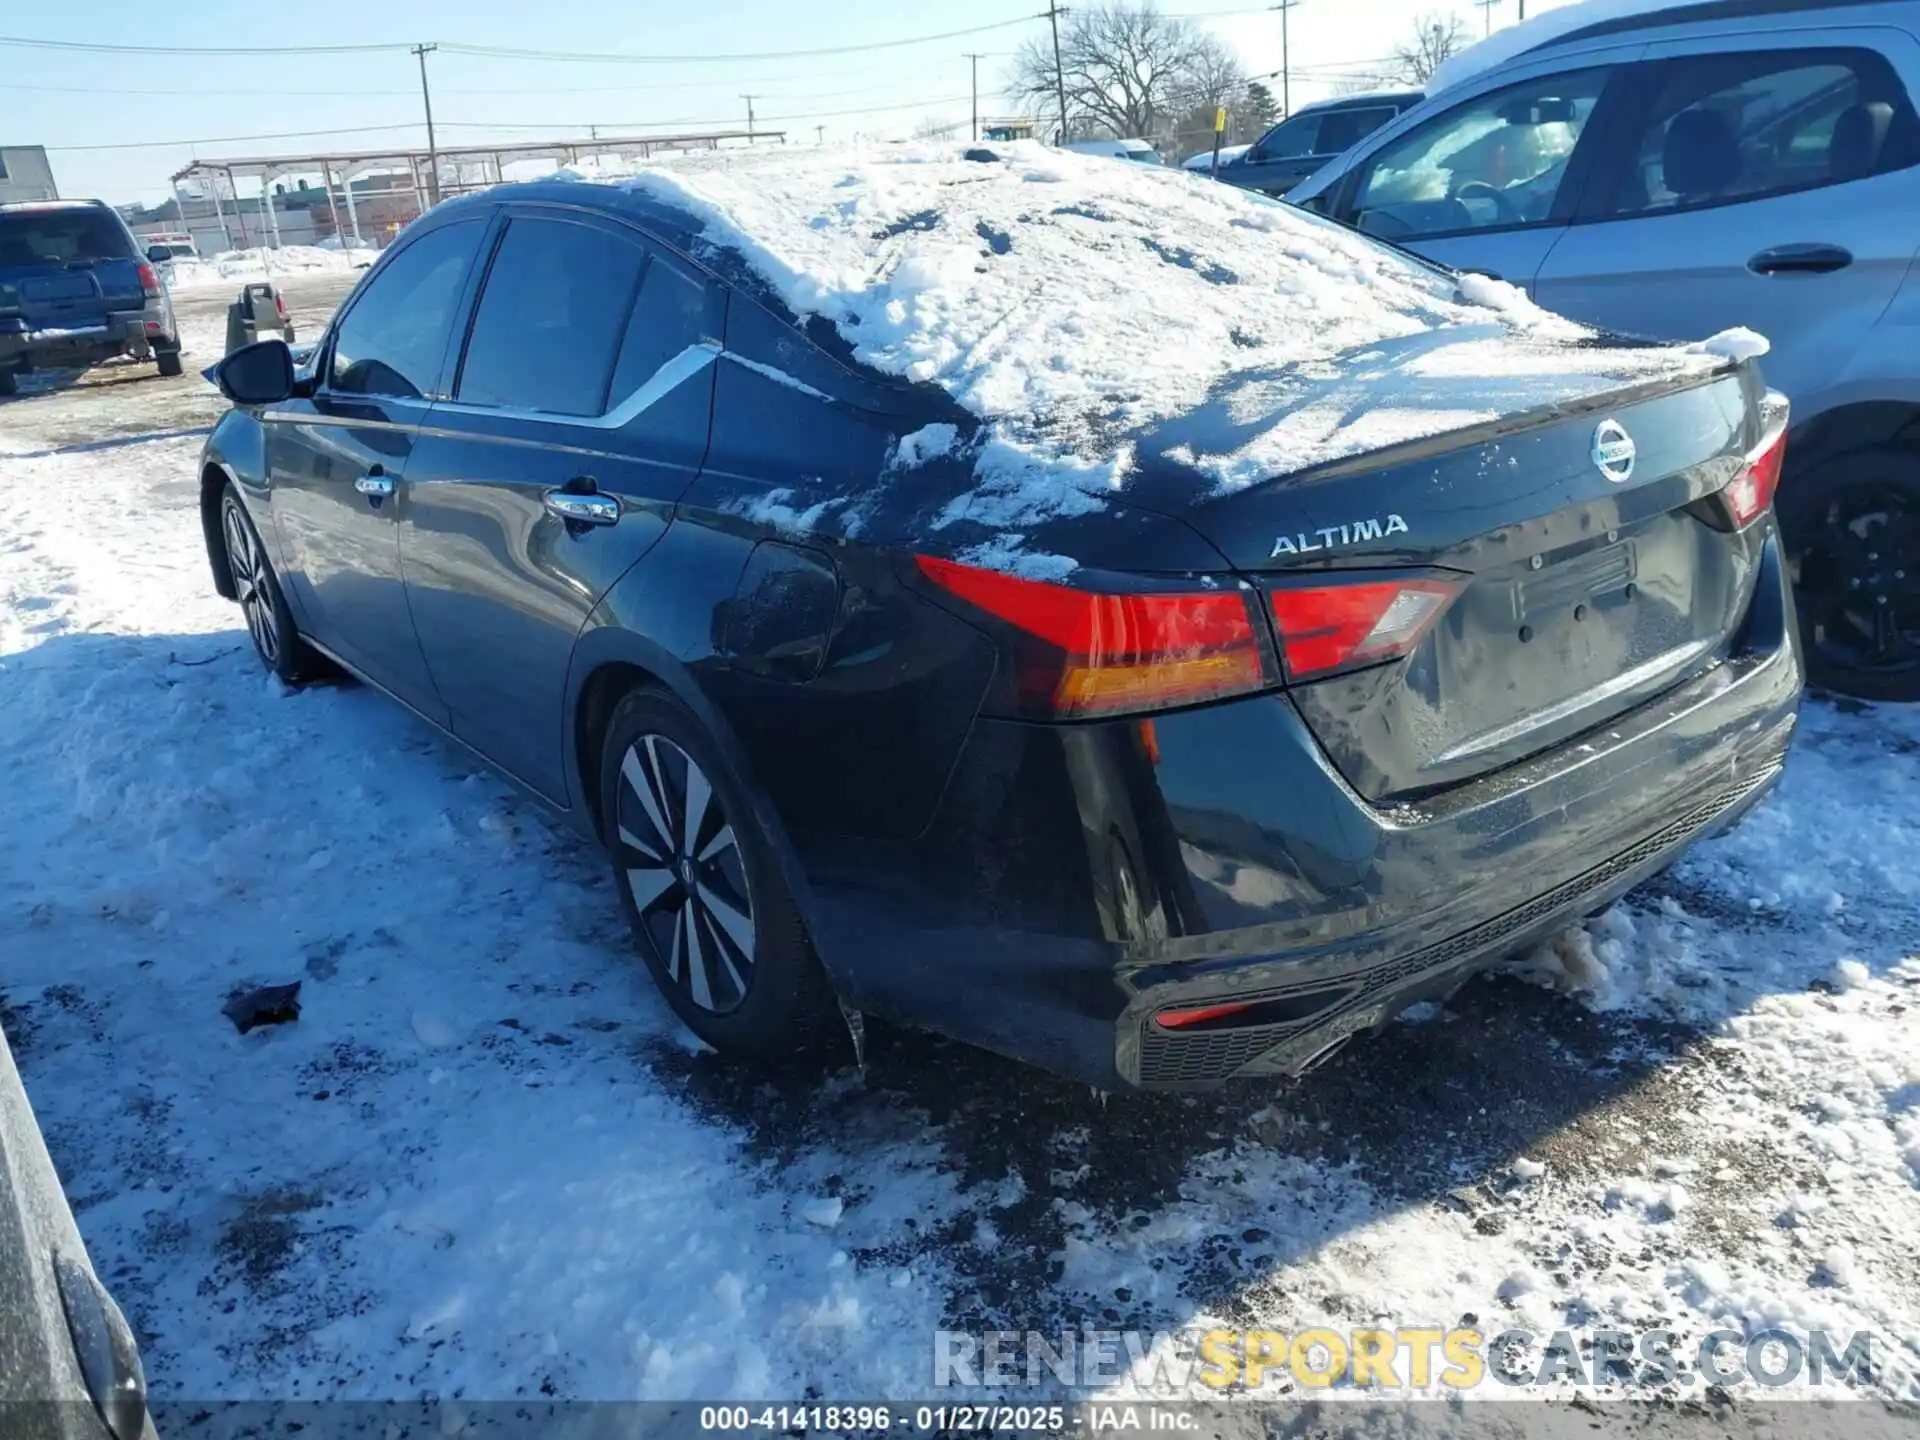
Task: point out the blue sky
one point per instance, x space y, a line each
65 99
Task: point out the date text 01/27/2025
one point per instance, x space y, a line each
937 1419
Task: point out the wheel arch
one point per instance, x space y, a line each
610 662
214 478
1860 425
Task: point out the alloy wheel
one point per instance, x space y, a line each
1858 581
684 870
250 584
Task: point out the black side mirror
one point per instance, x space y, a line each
257 374
158 254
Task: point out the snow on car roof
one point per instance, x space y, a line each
1069 301
1538 29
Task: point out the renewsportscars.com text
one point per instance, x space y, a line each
1415 1359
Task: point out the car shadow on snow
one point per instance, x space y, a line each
1429 1112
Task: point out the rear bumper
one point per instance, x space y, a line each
120 332
1079 880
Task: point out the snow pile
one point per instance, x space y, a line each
1538 29
230 266
1069 301
1738 343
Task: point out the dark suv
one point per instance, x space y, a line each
1310 137
74 292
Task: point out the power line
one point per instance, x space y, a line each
583 57
101 47
338 93
237 139
634 125
505 52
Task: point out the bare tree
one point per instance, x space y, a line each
1127 71
1363 84
1436 38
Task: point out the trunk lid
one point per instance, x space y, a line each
1580 593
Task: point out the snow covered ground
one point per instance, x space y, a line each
484 1161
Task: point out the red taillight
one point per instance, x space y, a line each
1081 653
1324 628
280 305
1749 496
149 282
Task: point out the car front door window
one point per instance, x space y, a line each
1289 140
551 318
1495 162
393 339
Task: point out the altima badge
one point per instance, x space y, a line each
1332 536
1614 451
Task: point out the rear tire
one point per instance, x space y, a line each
169 362
9 382
276 641
1852 530
704 896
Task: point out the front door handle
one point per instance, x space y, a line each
1801 260
376 484
579 507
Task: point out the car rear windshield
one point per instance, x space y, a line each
60 237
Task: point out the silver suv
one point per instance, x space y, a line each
1676 173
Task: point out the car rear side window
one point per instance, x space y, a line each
549 326
1494 162
391 342
668 317
1732 127
1341 130
61 237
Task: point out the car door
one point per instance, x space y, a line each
578 416
1274 162
1767 181
337 462
1489 183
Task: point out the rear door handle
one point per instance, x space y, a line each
583 507
1801 260
376 484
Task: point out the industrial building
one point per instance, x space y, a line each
25 174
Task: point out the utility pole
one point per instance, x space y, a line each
976 93
749 99
819 134
1486 8
1054 12
433 147
1286 89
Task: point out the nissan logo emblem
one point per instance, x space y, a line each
1614 451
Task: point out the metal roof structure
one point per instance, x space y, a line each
347 163
432 174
